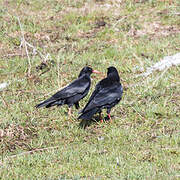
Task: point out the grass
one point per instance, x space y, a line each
142 142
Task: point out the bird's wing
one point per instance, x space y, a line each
97 89
104 97
78 86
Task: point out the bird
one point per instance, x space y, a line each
72 93
108 92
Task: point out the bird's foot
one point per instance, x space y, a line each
108 118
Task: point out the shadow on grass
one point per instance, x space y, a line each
86 123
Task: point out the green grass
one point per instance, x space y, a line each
143 141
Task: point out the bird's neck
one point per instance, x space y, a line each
114 77
87 76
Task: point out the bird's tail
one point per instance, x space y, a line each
56 103
88 115
46 103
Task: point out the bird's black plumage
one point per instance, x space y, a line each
73 93
107 94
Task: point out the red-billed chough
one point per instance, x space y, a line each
107 94
72 93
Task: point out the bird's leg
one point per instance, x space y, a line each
108 113
70 112
77 105
100 117
109 116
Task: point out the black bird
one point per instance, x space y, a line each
73 93
107 94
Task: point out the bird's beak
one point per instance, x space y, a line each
97 72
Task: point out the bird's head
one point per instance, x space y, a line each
113 73
88 70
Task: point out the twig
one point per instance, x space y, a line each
162 74
45 58
48 56
149 87
119 21
166 62
24 43
176 13
35 51
154 82
12 55
30 152
136 111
